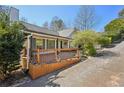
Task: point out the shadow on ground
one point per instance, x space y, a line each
44 81
107 54
110 46
47 80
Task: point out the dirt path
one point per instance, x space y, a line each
107 70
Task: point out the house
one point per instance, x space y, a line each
45 50
49 49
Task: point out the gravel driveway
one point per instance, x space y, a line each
103 71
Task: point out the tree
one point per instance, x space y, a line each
115 25
86 18
114 28
45 24
121 14
11 44
4 19
57 24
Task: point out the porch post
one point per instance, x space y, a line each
45 43
58 43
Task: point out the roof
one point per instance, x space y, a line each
66 33
38 29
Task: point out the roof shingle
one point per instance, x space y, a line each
34 28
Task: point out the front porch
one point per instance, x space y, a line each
43 55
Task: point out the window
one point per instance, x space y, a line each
40 43
65 44
51 44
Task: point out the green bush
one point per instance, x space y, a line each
104 41
89 50
85 37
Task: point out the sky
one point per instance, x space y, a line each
39 14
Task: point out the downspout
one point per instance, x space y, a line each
29 50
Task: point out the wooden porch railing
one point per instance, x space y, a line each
53 55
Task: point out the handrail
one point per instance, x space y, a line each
43 50
68 49
57 52
59 49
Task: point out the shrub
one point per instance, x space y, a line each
104 41
84 37
11 44
86 40
89 50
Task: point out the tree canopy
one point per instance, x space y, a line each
115 25
86 18
57 24
115 28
